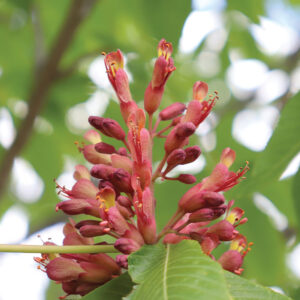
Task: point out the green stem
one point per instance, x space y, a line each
126 145
150 123
163 130
155 126
57 249
157 173
178 229
176 217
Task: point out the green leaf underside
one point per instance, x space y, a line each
182 271
115 289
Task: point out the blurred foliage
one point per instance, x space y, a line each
135 27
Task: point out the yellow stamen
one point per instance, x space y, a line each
231 218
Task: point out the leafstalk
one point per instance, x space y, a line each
176 217
159 168
58 249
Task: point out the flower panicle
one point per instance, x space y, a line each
116 195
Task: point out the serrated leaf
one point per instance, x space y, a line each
183 272
115 289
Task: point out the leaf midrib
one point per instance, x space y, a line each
165 273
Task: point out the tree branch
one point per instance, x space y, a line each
78 11
39 41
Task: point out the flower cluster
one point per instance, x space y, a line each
117 192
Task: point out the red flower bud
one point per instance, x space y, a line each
185 130
176 157
94 273
224 230
122 261
209 242
105 148
63 269
121 180
102 171
127 246
94 157
86 222
104 183
92 230
191 154
176 121
202 215
207 214
96 122
124 201
117 221
122 151
213 199
78 288
187 178
231 260
192 202
108 127
92 136
126 212
106 262
79 206
123 162
83 188
172 111
81 172
177 138
113 129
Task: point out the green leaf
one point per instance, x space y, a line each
241 289
280 150
296 195
182 271
115 289
283 145
24 4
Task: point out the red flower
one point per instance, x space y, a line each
120 196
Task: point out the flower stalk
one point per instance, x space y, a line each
58 249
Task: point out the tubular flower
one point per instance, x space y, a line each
114 64
163 68
116 194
